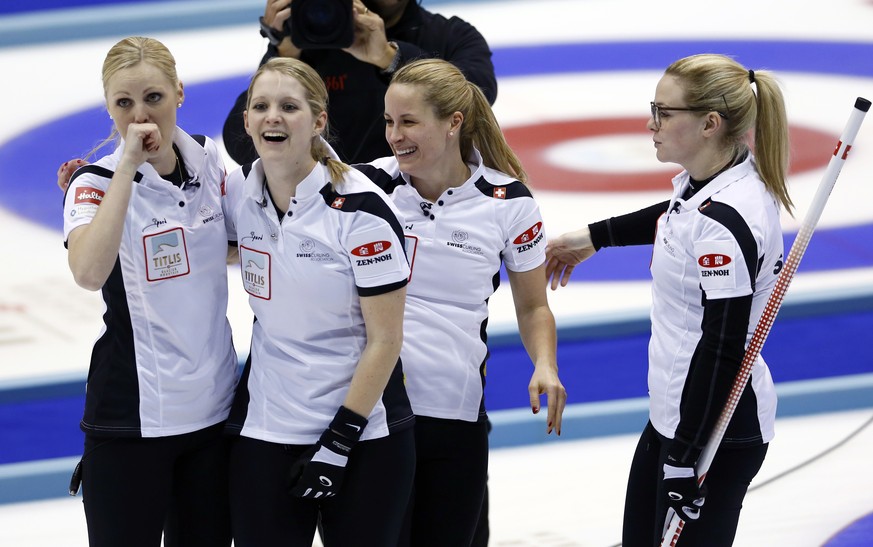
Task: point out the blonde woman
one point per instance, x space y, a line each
321 415
467 211
143 226
717 254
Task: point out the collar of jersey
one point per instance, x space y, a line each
728 177
308 187
474 162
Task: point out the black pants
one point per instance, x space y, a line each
135 490
451 473
367 511
726 484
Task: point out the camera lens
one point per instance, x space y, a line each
322 23
321 19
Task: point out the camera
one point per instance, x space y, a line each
322 24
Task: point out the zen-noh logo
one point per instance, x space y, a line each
529 235
86 194
713 261
371 249
529 239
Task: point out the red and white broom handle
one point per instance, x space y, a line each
798 248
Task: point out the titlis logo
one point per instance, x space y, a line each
253 278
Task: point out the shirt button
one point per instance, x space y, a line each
294 201
289 213
440 202
450 192
181 204
432 217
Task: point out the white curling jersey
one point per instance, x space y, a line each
305 276
725 241
455 247
164 362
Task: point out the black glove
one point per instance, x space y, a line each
684 495
322 475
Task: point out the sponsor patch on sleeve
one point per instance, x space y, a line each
716 264
88 195
373 255
86 200
528 239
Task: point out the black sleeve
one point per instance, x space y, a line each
714 367
637 228
237 142
466 48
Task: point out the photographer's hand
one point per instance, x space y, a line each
371 44
276 14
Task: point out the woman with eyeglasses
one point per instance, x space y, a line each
717 254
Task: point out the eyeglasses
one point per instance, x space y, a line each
658 110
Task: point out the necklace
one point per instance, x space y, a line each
179 170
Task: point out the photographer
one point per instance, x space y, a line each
387 35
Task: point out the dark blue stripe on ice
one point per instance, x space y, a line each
848 58
41 422
30 190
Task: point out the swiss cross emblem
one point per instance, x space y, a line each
338 203
500 192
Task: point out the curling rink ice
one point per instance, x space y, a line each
570 494
573 74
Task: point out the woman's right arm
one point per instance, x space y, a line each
566 252
93 248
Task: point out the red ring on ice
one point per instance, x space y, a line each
531 143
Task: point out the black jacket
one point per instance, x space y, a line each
356 90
